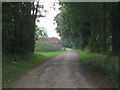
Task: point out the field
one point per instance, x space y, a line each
103 65
14 65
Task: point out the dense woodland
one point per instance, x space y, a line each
92 26
19 26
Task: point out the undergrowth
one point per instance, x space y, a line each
104 65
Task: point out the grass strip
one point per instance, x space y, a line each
14 65
104 65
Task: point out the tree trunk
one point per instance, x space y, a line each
104 29
115 30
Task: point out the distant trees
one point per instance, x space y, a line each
18 24
39 32
90 25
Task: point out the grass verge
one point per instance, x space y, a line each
14 65
104 65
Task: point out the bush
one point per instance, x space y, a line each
47 47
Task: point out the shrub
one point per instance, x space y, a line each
47 47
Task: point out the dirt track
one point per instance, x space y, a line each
64 71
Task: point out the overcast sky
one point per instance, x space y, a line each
48 21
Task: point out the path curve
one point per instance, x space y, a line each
63 71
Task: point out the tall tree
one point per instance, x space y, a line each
90 25
19 26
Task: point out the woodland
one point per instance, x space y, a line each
92 27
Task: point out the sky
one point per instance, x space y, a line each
48 21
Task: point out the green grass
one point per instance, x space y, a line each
13 66
104 65
68 48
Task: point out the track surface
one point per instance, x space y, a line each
63 71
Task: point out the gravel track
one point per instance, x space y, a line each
63 71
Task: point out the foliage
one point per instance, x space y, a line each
14 65
91 25
18 22
101 64
47 47
39 32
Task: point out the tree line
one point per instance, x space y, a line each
18 26
93 26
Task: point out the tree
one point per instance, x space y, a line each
39 32
93 26
19 26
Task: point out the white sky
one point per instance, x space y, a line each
48 21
